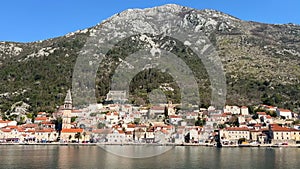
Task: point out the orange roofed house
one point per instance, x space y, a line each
70 135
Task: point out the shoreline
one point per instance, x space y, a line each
153 144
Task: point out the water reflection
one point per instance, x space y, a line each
177 158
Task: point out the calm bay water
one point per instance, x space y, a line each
178 158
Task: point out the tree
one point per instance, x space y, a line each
73 119
100 125
58 126
200 122
166 112
84 134
78 136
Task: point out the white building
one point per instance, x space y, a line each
117 96
232 109
284 112
244 110
116 137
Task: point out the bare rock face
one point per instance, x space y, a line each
260 61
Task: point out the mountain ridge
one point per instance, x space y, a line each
250 51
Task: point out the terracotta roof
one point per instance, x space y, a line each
20 130
121 131
164 131
41 118
13 127
76 111
276 127
47 122
174 116
131 125
2 121
45 130
30 130
114 113
30 125
284 110
101 131
71 130
257 125
157 108
237 129
128 132
269 117
261 113
270 107
6 130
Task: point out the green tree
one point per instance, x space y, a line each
70 137
78 136
84 134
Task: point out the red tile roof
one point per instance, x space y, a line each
237 129
157 108
6 130
261 113
71 130
114 113
284 110
174 116
276 127
41 118
45 130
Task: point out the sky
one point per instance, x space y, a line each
33 20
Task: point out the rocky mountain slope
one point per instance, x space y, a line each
261 61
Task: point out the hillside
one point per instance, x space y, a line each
261 61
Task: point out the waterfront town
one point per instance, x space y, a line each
119 123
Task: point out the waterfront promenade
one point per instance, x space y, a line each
157 144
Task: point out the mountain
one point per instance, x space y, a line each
261 61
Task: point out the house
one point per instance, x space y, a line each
287 114
157 111
261 114
77 113
39 120
280 134
269 108
41 114
233 134
194 133
45 135
114 107
69 134
244 110
269 119
100 135
126 108
191 115
112 117
116 137
232 109
128 136
139 134
119 96
150 136
174 119
4 123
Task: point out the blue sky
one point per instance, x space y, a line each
32 20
